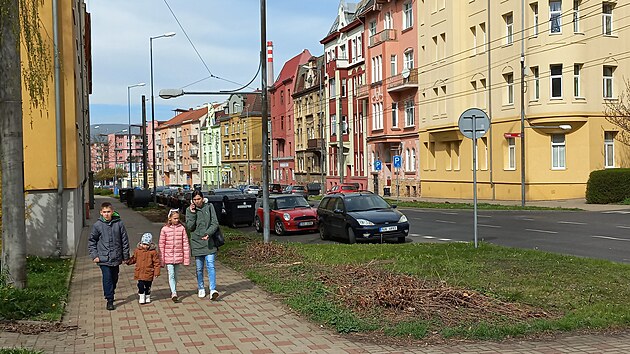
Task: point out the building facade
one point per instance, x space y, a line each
211 147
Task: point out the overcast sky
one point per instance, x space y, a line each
226 33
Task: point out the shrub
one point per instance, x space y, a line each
102 191
608 186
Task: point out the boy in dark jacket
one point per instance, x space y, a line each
108 246
147 261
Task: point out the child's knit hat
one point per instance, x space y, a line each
147 238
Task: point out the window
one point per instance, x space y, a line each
407 160
511 154
607 18
388 23
509 81
407 15
556 81
344 85
509 28
342 54
558 152
413 159
395 114
536 75
409 113
609 149
393 65
576 16
344 125
534 7
227 150
372 28
408 59
435 45
555 16
377 69
608 81
482 27
359 47
377 116
473 40
332 89
333 125
227 129
577 69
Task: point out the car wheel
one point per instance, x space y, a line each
352 238
279 227
401 239
322 232
258 224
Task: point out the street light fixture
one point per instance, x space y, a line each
129 130
522 136
321 125
169 34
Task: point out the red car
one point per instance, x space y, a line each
288 213
343 188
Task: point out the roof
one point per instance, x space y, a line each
302 83
289 68
189 115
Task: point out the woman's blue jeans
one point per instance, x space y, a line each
209 260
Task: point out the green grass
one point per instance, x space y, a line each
481 206
581 293
46 293
18 351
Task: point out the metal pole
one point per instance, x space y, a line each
129 138
265 127
153 121
523 103
115 165
145 177
340 141
322 142
474 139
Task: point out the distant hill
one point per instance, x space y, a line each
105 129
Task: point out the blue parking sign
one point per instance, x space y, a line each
378 165
397 161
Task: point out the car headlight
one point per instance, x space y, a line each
403 218
364 222
286 216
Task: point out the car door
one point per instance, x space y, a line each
337 220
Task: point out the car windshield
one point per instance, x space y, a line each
365 202
291 202
298 188
227 191
350 188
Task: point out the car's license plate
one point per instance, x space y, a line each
388 228
306 223
246 206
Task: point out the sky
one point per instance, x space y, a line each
225 33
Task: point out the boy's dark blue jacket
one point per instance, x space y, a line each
109 241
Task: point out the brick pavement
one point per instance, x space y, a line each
244 320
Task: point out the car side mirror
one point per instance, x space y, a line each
338 211
394 206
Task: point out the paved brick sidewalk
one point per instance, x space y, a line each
244 320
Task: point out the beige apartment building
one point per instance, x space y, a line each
574 57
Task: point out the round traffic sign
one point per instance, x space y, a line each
474 123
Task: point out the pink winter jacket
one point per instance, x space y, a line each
174 247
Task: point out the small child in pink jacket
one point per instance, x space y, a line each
174 249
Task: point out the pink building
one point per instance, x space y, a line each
282 124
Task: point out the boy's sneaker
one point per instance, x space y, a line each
142 299
110 305
214 294
147 299
174 297
202 293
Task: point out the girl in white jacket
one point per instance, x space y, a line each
174 249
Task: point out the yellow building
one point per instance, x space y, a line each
241 140
574 60
46 194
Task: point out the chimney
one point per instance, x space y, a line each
270 77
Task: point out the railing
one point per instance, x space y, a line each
399 83
383 36
363 90
193 138
194 152
194 166
313 143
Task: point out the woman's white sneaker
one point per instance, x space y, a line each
202 293
214 294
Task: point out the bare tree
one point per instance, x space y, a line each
618 112
19 19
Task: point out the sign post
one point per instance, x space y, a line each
473 124
397 166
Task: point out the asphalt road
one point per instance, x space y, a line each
602 235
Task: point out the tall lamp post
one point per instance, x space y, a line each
169 34
129 131
321 125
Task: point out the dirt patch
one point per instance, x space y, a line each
155 215
400 297
259 253
30 327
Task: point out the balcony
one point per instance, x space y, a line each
194 152
363 91
193 138
313 144
398 83
383 36
170 141
194 166
171 154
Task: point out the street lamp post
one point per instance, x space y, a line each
129 130
169 34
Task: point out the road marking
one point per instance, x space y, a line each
527 219
484 216
571 222
543 231
445 221
417 218
494 226
623 227
612 238
427 236
414 235
448 213
617 212
445 239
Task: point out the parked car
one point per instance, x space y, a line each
252 189
360 216
224 191
275 188
288 213
300 190
343 188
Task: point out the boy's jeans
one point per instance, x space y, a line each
209 259
172 277
110 279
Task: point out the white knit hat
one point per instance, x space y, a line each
147 238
